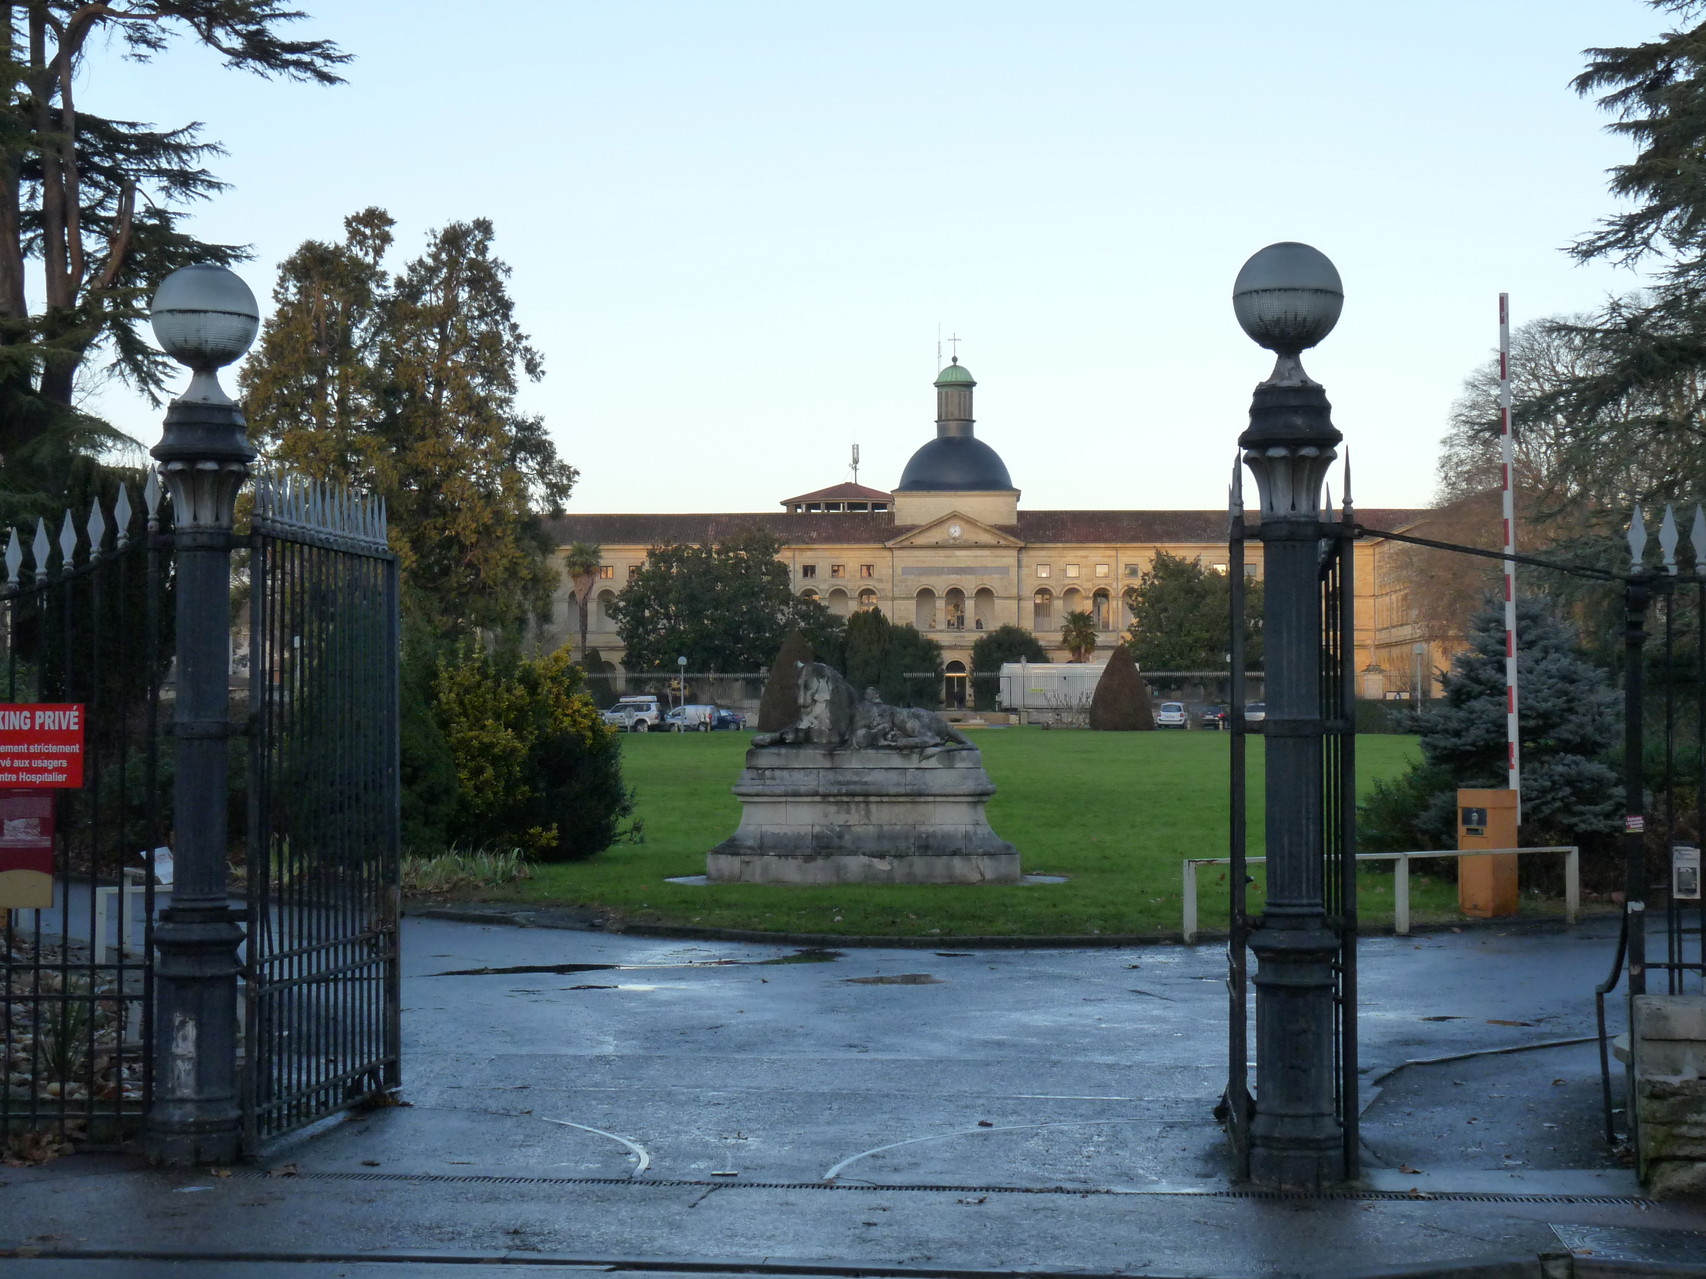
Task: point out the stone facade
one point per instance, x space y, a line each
956 562
1669 1069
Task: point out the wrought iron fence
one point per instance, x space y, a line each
321 968
81 622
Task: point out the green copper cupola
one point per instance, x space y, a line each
953 401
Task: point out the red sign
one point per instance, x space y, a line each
26 850
41 745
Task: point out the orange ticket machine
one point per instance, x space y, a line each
1486 886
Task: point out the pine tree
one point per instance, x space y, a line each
91 209
780 704
1567 718
406 387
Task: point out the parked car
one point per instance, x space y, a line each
1255 714
637 713
729 719
691 719
1172 715
1216 717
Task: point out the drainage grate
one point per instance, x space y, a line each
681 1183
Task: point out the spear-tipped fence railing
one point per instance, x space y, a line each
321 968
81 622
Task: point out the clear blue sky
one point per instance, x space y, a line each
735 227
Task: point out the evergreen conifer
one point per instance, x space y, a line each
1121 702
780 705
1567 717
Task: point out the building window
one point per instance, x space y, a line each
867 600
1219 568
867 570
633 571
1072 570
1134 570
607 572
838 570
808 570
1042 570
1103 570
1250 570
1042 610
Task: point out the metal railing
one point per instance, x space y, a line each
1400 883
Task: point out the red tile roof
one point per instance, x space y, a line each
844 527
841 493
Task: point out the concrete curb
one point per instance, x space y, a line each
587 919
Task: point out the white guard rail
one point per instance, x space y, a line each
1400 880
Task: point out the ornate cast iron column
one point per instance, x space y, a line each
1287 299
204 317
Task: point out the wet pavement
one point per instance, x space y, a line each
579 1098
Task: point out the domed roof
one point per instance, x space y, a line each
956 374
955 462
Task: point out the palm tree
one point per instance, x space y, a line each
581 561
1079 636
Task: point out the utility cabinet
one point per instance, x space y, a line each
1486 886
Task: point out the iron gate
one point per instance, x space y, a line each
321 969
82 622
1338 833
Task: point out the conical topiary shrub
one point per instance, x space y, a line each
1121 703
780 705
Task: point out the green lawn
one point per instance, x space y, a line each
1114 812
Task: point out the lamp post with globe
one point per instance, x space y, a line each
204 317
1287 298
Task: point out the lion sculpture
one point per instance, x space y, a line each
830 715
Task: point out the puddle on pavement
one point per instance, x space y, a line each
806 955
898 979
811 955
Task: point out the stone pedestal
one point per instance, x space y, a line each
812 815
1669 1043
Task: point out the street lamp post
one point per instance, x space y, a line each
1287 298
681 680
204 317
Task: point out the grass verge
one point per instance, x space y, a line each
1114 812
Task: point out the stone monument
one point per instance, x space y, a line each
859 792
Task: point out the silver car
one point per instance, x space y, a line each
1172 715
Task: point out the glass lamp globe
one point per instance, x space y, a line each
204 317
1287 298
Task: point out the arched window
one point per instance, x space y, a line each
809 594
954 690
604 619
954 608
1101 608
924 610
867 600
838 602
1042 610
983 609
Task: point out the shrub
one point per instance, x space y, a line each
536 767
1004 644
780 705
1121 703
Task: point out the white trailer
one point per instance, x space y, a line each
1055 692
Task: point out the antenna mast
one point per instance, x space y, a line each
855 463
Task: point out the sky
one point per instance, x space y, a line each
737 228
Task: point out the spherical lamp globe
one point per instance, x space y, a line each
1288 297
204 317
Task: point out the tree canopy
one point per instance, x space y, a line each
91 212
902 663
726 608
1181 617
992 651
1567 718
405 386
